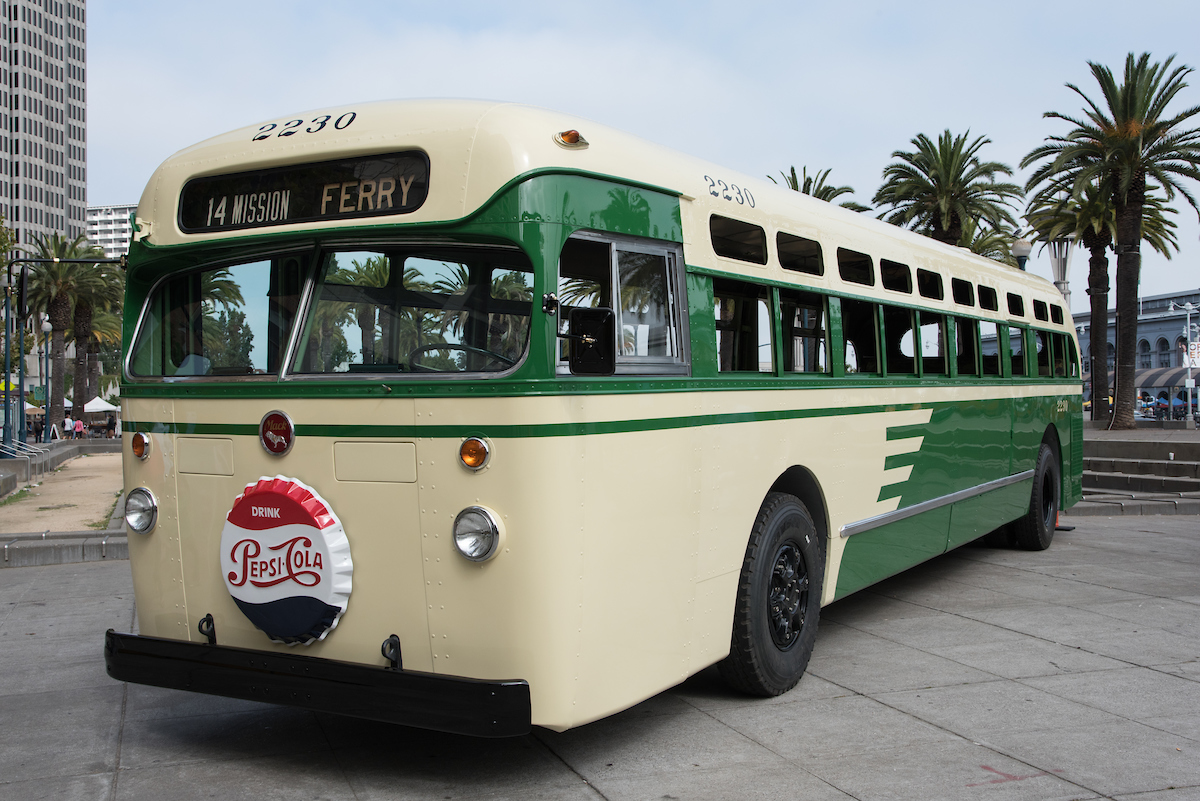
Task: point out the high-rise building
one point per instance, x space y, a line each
44 116
110 228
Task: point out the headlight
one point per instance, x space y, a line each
141 510
477 533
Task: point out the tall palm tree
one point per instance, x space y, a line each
372 272
54 287
1090 220
100 288
991 243
940 186
815 186
1119 144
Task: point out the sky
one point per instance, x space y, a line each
754 86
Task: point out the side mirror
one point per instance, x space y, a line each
592 334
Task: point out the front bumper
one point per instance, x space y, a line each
424 700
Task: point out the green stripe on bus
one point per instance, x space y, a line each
508 431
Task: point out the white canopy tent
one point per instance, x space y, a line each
99 405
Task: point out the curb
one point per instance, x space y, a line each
68 547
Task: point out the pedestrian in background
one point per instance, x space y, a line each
68 427
111 427
79 428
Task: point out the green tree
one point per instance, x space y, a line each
1090 220
940 187
815 186
55 286
372 272
1120 144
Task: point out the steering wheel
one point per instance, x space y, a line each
414 356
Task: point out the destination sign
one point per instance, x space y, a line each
395 183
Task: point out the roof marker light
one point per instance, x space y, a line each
571 139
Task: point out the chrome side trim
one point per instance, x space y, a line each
934 503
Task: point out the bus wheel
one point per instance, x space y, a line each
778 600
1035 530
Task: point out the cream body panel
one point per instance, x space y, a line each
375 462
204 455
156 558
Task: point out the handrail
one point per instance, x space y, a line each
15 454
30 451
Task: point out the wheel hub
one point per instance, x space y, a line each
787 596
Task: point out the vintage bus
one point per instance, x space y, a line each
474 416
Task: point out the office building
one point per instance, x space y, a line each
44 116
110 228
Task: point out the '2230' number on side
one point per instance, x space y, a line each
292 127
730 192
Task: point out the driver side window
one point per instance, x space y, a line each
640 281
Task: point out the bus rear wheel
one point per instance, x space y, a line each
1035 530
778 600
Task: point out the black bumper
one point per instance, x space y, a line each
425 700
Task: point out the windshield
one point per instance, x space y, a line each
422 311
232 320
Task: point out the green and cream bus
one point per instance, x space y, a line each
476 417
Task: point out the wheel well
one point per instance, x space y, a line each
1050 438
801 483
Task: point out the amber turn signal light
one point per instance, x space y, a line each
474 453
141 445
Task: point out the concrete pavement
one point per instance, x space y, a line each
1072 673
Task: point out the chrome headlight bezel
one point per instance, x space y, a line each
477 533
144 510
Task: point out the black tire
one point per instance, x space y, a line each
778 600
1035 530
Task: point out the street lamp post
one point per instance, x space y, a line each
1060 264
45 354
6 284
1020 250
1188 308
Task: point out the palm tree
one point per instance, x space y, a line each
1090 220
55 286
815 186
1120 146
98 288
990 243
941 186
372 272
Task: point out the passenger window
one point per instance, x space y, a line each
855 267
638 281
743 320
898 341
1072 359
1041 341
1060 355
1016 305
987 298
930 284
966 334
964 292
1016 350
989 344
803 332
895 276
1039 310
799 254
739 240
859 339
1056 314
933 344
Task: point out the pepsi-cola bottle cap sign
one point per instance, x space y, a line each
286 561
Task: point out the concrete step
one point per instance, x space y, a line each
1153 450
1109 504
60 548
1145 467
1132 482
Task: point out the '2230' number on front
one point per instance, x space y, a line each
730 192
292 127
